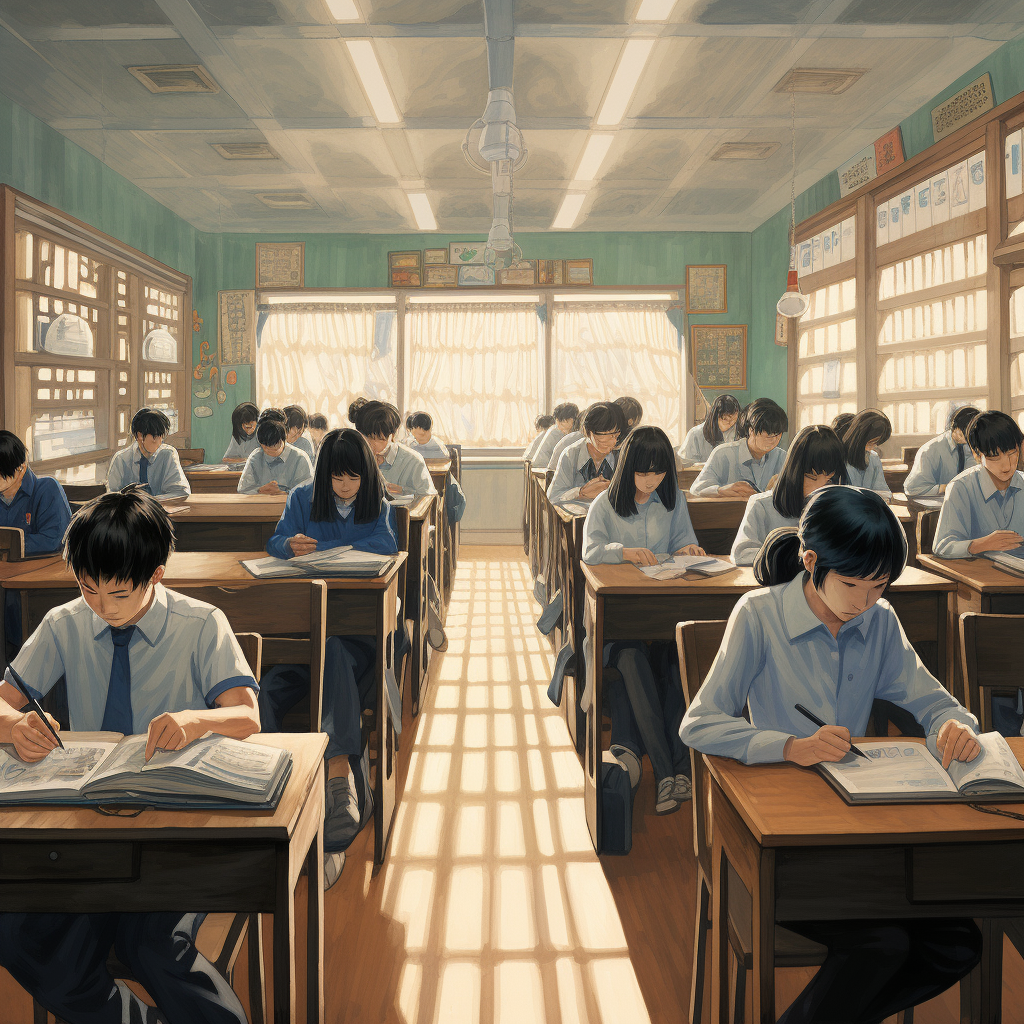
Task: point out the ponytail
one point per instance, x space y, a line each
778 561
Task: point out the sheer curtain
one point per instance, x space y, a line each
475 368
606 349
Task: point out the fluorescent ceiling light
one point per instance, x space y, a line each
421 211
616 297
593 156
655 10
372 77
462 297
569 210
624 81
346 10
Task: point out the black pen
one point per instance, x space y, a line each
818 722
34 704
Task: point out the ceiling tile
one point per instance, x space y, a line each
928 12
694 201
580 12
754 12
353 154
562 77
433 79
646 155
415 12
83 13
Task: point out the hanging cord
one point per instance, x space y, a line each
792 182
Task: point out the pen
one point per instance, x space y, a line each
817 721
34 704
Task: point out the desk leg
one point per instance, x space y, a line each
719 934
315 929
592 761
384 784
981 990
417 610
763 933
284 940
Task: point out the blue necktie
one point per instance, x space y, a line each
144 471
117 715
959 459
589 472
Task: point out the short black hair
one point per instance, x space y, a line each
814 450
270 433
295 416
604 417
723 405
345 452
419 421
647 450
318 421
994 433
960 419
631 408
867 425
12 453
378 419
841 422
272 414
150 421
763 416
354 406
567 411
851 529
244 413
121 535
544 422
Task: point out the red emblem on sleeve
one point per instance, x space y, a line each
28 518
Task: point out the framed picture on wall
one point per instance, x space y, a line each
719 356
706 289
280 264
405 269
579 271
461 253
432 257
443 276
551 272
475 275
522 273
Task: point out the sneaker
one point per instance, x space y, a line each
667 801
334 862
629 760
343 820
682 790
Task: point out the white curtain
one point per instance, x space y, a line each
604 350
475 368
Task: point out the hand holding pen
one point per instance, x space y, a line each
35 734
829 743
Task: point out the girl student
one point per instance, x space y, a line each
841 422
296 422
819 634
640 516
243 433
815 459
719 427
345 504
861 438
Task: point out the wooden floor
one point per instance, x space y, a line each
492 907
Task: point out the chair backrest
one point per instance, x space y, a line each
991 649
455 451
908 453
926 522
191 456
12 544
252 648
83 492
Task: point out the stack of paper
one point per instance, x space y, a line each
577 507
404 500
928 502
1011 561
672 567
208 467
340 561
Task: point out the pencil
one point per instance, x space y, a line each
34 704
818 722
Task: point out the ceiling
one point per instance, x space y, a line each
286 78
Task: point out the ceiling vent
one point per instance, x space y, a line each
244 150
745 151
830 81
286 200
175 78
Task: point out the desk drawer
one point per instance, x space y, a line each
67 860
973 871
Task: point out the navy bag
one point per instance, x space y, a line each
616 809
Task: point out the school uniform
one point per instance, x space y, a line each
872 476
731 462
531 448
433 449
575 468
304 444
241 449
697 448
546 448
777 653
406 468
161 472
290 469
936 463
570 438
180 655
760 517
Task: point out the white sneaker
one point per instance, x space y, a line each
334 862
667 801
682 790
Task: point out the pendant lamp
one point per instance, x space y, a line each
793 303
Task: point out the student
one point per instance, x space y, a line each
541 425
815 459
719 427
861 438
841 422
404 470
243 433
296 422
632 410
566 420
345 504
942 458
572 437
641 515
354 406
275 467
748 465
271 413
137 658
419 424
820 635
317 428
585 468
149 461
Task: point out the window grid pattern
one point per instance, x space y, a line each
1017 354
826 375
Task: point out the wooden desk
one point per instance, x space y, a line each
8 571
687 474
538 538
217 481
715 521
420 515
802 853
439 469
895 472
226 522
568 551
622 604
527 511
215 861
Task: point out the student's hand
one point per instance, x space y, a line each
301 544
394 489
270 488
173 730
32 740
738 489
829 743
691 549
592 488
639 556
1001 540
942 488
771 483
957 742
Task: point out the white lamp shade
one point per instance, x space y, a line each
793 302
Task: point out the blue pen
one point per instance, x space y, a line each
34 704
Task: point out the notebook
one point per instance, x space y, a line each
215 771
403 499
209 467
577 506
935 503
672 567
903 771
340 561
1012 561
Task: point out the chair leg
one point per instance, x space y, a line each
257 979
739 1012
39 1014
700 943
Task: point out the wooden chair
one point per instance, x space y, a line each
12 544
908 453
83 492
927 520
191 456
453 530
526 507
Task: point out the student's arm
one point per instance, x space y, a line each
40 664
382 540
247 481
49 519
713 477
417 478
875 478
293 522
681 533
117 472
923 479
691 450
751 534
174 483
601 542
953 532
301 472
562 488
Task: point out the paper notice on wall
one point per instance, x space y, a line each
848 243
976 182
908 215
895 219
882 224
803 259
1014 179
940 198
816 254
923 204
959 190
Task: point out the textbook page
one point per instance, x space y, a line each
61 772
994 770
671 567
893 768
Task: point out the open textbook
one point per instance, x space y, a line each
672 567
1011 561
214 771
340 561
903 771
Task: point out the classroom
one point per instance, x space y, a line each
509 511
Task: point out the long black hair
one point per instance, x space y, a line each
851 529
244 413
723 405
841 422
345 453
867 425
647 450
814 450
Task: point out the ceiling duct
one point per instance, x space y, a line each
174 77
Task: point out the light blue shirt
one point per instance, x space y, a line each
542 456
974 507
290 469
183 656
873 478
733 461
406 468
570 438
936 464
433 449
304 444
568 478
697 448
760 517
531 448
777 653
660 530
242 449
165 473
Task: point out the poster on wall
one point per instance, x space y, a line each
719 355
236 326
280 264
706 289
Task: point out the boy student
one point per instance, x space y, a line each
585 468
275 467
540 425
149 461
566 417
572 437
749 464
404 470
136 658
420 426
296 422
317 429
942 458
633 410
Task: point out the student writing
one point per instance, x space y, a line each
719 427
275 467
861 438
585 468
420 427
942 458
404 470
243 433
149 461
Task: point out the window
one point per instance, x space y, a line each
1017 348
